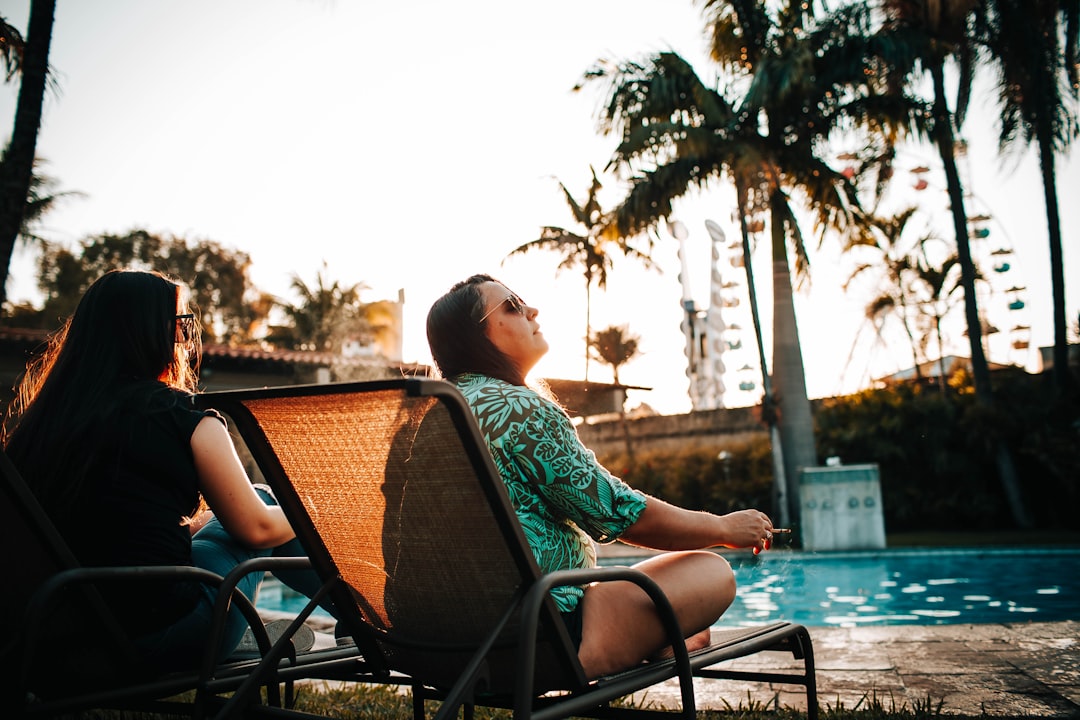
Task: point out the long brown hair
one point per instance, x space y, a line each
121 342
457 339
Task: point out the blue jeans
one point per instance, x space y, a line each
181 645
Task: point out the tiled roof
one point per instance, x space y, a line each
22 334
211 351
250 352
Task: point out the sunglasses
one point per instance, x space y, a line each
185 328
516 305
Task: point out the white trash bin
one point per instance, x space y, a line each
840 508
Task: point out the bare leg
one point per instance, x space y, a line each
620 626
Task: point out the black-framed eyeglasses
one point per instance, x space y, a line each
516 304
185 328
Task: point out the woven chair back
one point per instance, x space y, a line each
388 485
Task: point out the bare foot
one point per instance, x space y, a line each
698 641
694 642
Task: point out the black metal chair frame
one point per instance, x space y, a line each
530 607
279 665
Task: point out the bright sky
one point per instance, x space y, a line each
409 145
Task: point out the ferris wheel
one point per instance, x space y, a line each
1001 293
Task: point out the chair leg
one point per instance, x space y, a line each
418 702
811 686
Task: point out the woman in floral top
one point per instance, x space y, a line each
485 340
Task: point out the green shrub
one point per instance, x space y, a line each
700 479
935 451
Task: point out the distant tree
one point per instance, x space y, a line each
915 42
592 250
893 262
31 61
939 286
42 197
11 49
216 276
615 346
326 317
1034 47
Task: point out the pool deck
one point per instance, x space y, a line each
1023 669
1014 670
1001 670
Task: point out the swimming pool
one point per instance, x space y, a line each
907 587
883 587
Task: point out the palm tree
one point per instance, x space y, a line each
883 237
17 166
615 346
917 38
1038 83
326 316
938 286
677 134
42 197
592 251
11 49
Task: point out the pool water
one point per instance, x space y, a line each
907 587
884 587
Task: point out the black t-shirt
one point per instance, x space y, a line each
133 503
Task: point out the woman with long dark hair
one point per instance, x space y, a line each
485 340
104 431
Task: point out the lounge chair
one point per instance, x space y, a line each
391 489
65 650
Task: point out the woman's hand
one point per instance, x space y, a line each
749 528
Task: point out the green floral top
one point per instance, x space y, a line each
561 494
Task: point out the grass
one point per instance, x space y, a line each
355 701
359 702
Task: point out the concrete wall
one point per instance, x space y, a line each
705 429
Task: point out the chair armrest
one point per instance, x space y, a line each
540 591
221 604
46 596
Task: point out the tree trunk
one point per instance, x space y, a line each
625 424
915 362
588 320
796 422
941 354
18 165
1061 372
943 136
780 482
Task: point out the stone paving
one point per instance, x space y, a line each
1029 670
995 670
1015 670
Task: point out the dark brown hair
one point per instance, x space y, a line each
457 339
119 343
